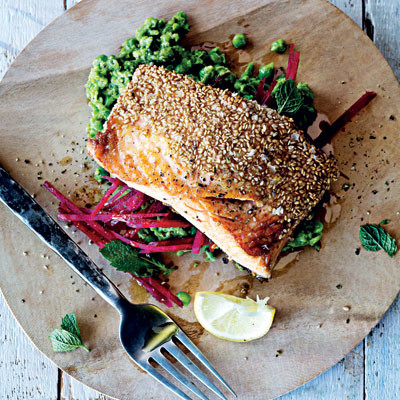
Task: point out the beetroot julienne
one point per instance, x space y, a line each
293 63
330 131
119 215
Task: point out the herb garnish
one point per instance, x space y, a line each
126 258
375 238
68 337
288 98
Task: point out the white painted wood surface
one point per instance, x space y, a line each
371 371
382 21
25 374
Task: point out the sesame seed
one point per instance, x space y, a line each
250 151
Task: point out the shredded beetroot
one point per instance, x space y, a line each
260 92
72 207
92 235
149 248
128 203
116 181
295 65
143 281
176 241
83 227
155 283
330 131
289 65
115 197
155 207
62 198
111 220
155 224
106 217
165 249
290 60
199 240
104 199
268 94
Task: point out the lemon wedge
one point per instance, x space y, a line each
233 318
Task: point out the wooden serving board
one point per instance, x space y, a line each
43 118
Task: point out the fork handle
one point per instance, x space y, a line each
31 214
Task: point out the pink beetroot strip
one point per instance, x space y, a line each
268 94
331 130
293 63
104 199
199 240
85 221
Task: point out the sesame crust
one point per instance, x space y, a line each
229 146
236 170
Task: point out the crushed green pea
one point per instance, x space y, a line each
239 40
279 46
184 297
266 71
309 233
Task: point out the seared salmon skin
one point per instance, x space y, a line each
238 171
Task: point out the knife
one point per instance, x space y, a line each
32 214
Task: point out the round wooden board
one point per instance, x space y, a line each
43 119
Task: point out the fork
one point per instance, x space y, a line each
146 332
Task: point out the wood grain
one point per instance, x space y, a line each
72 389
21 21
352 8
25 374
345 380
382 372
320 385
382 24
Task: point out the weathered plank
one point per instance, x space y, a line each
382 362
71 389
352 8
25 374
70 3
343 381
382 24
20 22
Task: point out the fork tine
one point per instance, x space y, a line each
174 350
164 381
199 355
164 363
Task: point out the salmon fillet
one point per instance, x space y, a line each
238 171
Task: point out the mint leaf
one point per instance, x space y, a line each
288 98
384 222
70 324
126 258
375 238
68 337
63 340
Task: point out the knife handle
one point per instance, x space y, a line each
31 214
